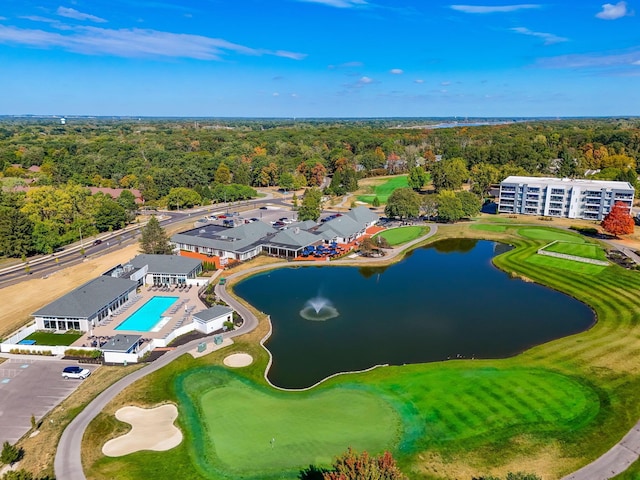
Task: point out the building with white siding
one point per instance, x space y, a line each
563 197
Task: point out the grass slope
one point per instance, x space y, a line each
401 235
384 190
550 410
550 234
586 250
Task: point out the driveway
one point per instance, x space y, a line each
30 386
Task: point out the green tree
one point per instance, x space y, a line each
429 206
482 176
285 181
376 201
449 206
153 238
449 174
128 201
182 197
417 178
10 454
15 232
110 215
403 203
470 202
223 174
310 208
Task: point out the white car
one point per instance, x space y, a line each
75 372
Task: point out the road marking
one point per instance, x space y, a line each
24 366
5 380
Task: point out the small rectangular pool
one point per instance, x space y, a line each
148 316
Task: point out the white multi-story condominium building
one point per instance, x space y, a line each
562 197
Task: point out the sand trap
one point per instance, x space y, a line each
151 429
238 360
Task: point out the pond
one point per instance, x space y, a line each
445 301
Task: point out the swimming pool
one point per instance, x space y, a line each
148 316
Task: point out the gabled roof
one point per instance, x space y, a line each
306 225
362 215
212 313
87 300
171 264
293 237
343 226
237 239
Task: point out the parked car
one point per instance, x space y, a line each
264 208
75 372
97 242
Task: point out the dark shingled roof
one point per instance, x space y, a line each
170 264
85 301
213 312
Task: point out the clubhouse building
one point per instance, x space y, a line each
219 244
88 305
563 197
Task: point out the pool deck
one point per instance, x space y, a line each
187 299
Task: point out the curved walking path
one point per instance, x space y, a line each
68 460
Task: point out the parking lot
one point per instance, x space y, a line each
269 214
30 387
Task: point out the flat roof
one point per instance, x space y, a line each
581 182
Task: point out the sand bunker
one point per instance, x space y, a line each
151 429
238 360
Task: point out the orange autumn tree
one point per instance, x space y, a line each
354 466
618 221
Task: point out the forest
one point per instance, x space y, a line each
46 167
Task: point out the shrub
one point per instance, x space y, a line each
72 352
10 454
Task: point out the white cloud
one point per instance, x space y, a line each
396 71
549 38
612 12
38 18
593 60
493 8
76 15
445 84
3 18
419 80
338 3
133 42
365 80
346 65
275 94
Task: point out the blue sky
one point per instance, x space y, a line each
320 58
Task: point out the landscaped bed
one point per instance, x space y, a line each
548 411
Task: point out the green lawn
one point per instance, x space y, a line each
384 190
257 431
53 339
488 228
549 234
400 235
586 250
563 264
549 410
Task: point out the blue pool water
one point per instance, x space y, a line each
147 316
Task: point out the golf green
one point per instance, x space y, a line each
586 250
255 431
240 429
400 235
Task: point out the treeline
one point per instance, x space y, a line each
179 164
